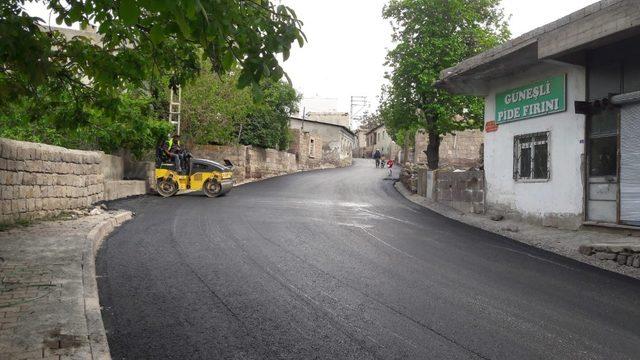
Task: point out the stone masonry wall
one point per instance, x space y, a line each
38 180
461 190
236 154
461 149
316 157
269 162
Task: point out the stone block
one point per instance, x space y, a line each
31 204
11 165
20 165
585 250
630 260
5 206
29 179
636 261
6 192
47 167
621 259
22 205
9 150
605 256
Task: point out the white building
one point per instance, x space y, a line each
558 101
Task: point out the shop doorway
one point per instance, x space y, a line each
602 174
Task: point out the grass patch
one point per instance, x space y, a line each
16 224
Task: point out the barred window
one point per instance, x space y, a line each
531 157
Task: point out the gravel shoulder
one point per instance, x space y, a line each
562 242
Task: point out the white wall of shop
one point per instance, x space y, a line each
562 195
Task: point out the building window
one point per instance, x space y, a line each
312 148
531 157
603 143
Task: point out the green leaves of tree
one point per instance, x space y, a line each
216 111
129 12
139 40
433 35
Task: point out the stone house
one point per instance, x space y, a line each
378 138
361 143
329 142
562 104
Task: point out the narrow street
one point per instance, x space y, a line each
336 264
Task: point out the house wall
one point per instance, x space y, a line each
380 139
338 143
336 118
309 157
558 201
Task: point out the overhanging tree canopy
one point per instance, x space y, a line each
432 35
142 40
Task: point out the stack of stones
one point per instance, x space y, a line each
38 180
623 254
409 177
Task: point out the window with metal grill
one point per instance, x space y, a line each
531 157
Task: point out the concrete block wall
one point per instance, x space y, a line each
463 190
38 180
112 167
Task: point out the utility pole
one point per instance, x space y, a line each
358 104
175 107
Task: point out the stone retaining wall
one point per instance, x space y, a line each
38 180
252 162
236 154
269 162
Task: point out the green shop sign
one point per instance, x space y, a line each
543 97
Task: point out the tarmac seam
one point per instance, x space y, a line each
98 343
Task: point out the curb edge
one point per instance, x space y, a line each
92 311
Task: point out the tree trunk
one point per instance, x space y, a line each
433 150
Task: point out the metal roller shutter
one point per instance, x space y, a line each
630 164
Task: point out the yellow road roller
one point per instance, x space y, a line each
213 178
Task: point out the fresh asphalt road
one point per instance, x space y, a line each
335 264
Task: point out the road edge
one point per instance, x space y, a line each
457 215
97 334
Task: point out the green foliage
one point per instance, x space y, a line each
433 35
213 108
215 111
140 41
267 124
132 125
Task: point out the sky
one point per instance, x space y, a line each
348 41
